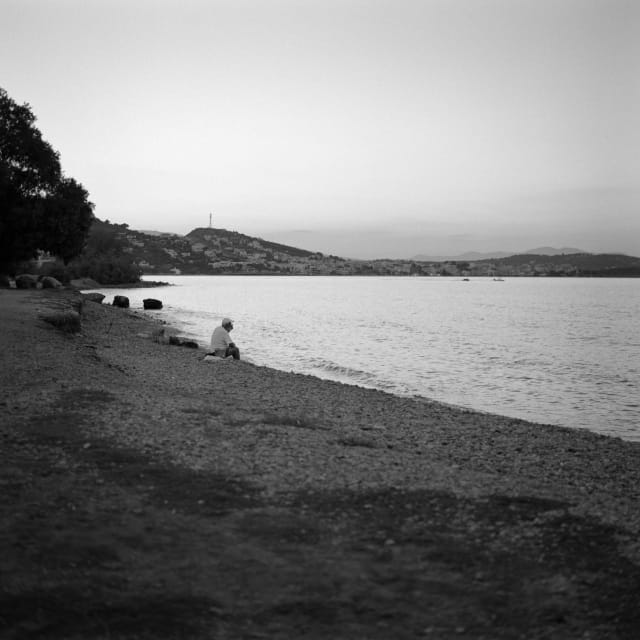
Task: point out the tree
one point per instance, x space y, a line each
103 257
67 221
40 208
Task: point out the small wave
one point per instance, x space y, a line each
341 373
333 367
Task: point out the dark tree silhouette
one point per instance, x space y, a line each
104 258
67 221
40 208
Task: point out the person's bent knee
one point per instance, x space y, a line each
234 352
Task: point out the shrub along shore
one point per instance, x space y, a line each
149 494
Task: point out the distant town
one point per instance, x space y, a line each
219 251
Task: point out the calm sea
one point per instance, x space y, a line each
562 351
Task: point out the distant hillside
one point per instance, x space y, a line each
474 256
151 232
232 244
584 264
217 251
211 251
551 251
470 256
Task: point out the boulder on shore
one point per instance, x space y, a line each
152 303
121 301
49 282
26 281
84 283
94 296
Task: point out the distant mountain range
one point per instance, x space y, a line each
474 256
210 251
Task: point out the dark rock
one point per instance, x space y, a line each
84 283
151 303
49 282
190 344
121 301
94 297
175 340
26 281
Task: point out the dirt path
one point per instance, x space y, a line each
146 494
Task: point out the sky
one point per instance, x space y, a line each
360 128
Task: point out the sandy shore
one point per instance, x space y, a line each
283 436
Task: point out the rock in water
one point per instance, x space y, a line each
151 303
121 301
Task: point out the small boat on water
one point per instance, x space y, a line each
498 279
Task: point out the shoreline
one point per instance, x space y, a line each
484 419
308 397
561 404
292 453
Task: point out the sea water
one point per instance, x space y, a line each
563 351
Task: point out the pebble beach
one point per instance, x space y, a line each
293 440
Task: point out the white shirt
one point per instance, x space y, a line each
220 338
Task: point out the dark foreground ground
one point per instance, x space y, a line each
133 506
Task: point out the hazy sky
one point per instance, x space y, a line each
355 127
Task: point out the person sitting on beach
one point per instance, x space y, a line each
221 343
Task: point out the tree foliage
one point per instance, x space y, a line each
40 208
104 258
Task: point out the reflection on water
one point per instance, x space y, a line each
559 351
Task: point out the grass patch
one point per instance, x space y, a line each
67 321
